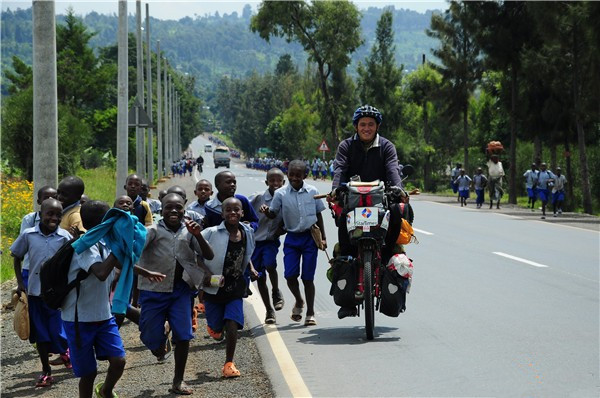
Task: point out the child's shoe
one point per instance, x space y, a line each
278 301
215 335
44 381
200 308
229 370
270 317
62 359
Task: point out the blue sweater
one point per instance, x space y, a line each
126 237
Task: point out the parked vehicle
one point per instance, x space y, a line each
221 156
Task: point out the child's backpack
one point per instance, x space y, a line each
54 276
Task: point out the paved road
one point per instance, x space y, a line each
502 304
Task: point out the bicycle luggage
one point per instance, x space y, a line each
343 281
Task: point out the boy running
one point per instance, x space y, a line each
299 210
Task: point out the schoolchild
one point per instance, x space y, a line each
124 203
152 203
69 193
226 185
32 219
479 183
232 242
46 327
84 198
192 215
300 210
264 258
141 209
531 179
323 167
453 175
95 335
171 248
464 183
544 185
558 191
315 168
203 192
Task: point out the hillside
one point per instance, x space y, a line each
209 47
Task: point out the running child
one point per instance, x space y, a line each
531 179
463 182
300 210
264 258
141 209
479 183
46 327
171 248
69 193
203 192
233 243
95 335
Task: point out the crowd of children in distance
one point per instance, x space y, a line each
211 249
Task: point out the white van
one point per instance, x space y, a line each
208 148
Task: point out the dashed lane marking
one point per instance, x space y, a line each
422 232
522 260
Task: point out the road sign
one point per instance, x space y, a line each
323 147
142 118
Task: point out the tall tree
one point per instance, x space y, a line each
379 78
460 63
328 31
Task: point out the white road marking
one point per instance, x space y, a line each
521 260
422 232
287 365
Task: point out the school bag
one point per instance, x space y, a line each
54 276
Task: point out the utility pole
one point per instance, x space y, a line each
159 111
122 96
150 151
167 126
140 167
45 109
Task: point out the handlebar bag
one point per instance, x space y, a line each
343 281
363 196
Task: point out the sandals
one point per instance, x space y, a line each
98 389
270 318
297 314
200 307
310 321
181 389
215 335
229 370
194 319
278 300
62 359
168 350
44 381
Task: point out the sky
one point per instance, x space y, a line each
177 9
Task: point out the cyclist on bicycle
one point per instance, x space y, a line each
371 157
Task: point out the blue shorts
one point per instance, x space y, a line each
463 193
543 195
558 196
480 196
454 187
296 246
531 192
158 307
99 340
218 313
265 254
46 326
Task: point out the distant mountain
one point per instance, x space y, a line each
209 47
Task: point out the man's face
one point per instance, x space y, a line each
227 185
366 129
203 191
133 187
296 177
173 210
232 212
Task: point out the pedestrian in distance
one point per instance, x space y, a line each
495 173
171 248
91 329
224 284
558 191
40 243
453 176
463 182
69 193
300 211
544 186
531 179
264 257
479 183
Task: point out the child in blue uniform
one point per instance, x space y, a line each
300 210
264 258
463 182
233 243
40 243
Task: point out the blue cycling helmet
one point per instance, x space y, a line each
367 111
